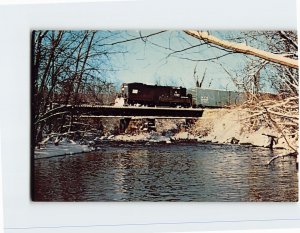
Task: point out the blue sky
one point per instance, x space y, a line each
150 62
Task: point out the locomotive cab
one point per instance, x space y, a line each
154 95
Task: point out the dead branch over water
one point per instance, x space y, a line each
280 115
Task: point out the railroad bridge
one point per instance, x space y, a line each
126 113
130 111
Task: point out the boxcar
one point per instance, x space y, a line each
216 98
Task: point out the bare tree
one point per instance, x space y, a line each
279 61
65 65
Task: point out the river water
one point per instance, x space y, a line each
168 172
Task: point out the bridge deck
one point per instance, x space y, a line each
129 111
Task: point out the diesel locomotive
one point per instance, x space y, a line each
154 95
168 96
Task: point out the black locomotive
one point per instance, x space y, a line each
154 95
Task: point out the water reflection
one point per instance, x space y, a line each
183 172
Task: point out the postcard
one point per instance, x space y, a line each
164 115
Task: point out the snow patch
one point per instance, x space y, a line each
227 126
64 148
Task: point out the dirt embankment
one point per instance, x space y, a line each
236 126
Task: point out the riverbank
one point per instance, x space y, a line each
223 126
236 126
69 147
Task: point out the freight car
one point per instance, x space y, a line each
216 98
154 95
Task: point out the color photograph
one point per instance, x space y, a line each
164 116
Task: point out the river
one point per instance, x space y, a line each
168 172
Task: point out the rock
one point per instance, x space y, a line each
246 143
110 137
72 142
57 140
182 135
233 140
256 139
91 143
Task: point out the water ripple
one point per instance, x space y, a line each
182 172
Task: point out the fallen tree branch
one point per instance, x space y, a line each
294 154
253 115
283 115
242 48
51 116
278 129
284 103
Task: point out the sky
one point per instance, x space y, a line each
153 62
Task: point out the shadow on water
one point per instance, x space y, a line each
171 172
